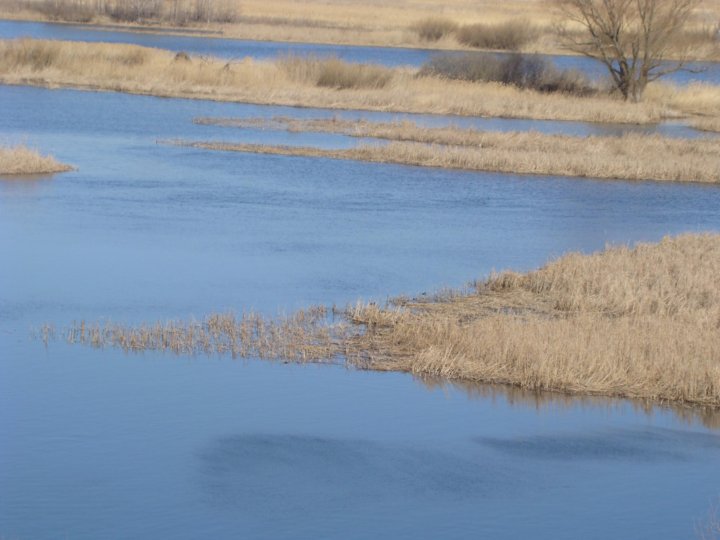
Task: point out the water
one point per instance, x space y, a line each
96 443
237 49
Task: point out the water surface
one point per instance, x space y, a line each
99 444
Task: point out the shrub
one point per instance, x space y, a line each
334 73
522 71
508 36
434 28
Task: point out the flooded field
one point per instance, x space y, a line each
708 72
97 443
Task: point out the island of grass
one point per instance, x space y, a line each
638 322
630 157
21 160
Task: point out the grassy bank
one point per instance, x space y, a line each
631 157
636 322
20 160
455 24
310 83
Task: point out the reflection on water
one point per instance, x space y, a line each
708 417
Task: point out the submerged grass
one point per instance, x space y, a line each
21 160
303 336
640 322
141 70
632 156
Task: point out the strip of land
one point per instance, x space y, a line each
20 160
636 322
327 83
629 157
527 25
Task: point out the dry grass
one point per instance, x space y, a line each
140 70
304 336
511 35
20 160
707 124
435 28
638 322
373 22
632 157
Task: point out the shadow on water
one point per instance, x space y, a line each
312 470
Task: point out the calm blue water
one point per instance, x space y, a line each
98 444
237 49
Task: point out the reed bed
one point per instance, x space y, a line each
141 70
630 157
21 160
640 322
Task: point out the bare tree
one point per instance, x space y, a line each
638 41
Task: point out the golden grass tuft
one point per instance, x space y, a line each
509 35
640 322
630 157
20 160
140 70
434 28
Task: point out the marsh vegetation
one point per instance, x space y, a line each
21 160
407 23
630 157
629 321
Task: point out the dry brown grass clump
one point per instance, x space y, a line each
20 160
141 70
435 28
707 124
632 156
642 322
510 35
334 73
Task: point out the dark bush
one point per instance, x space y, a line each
522 71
